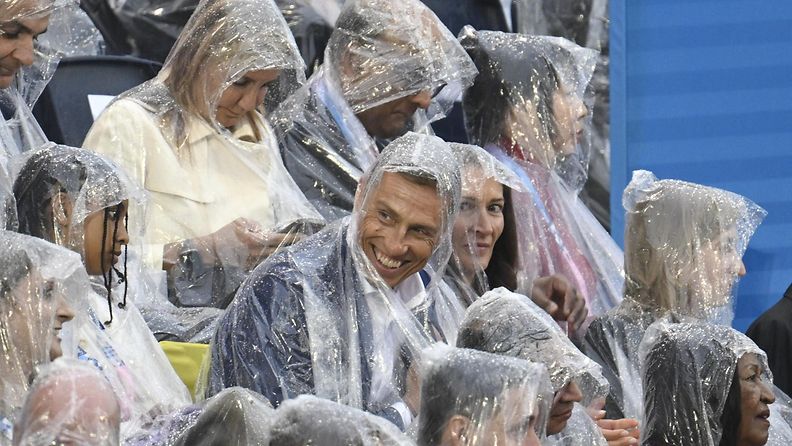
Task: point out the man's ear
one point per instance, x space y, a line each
61 209
456 431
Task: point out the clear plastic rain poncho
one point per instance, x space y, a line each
311 420
695 393
327 317
69 403
510 324
195 139
484 256
479 398
529 107
235 416
683 248
37 283
384 62
26 66
77 199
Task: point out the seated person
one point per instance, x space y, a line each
528 107
235 416
486 252
79 200
384 67
772 332
683 247
704 385
510 324
33 310
69 403
194 138
308 420
342 313
469 397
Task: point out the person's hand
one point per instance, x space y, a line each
623 432
560 299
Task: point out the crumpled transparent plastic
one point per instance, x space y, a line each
498 399
510 324
69 403
19 130
311 420
380 52
687 373
683 248
530 106
220 199
467 274
37 293
319 318
235 416
75 198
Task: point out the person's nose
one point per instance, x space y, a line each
484 227
24 51
742 271
422 99
767 396
249 100
64 311
122 235
395 245
572 393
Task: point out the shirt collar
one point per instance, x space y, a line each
244 131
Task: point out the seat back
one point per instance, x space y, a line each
64 111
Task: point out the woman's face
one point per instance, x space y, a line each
479 224
569 113
563 403
102 253
720 266
243 96
36 309
755 397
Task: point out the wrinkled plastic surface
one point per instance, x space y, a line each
235 416
76 199
683 248
319 318
381 54
499 399
33 63
36 301
687 374
220 200
311 420
510 324
529 107
486 183
69 403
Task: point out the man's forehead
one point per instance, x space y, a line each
22 11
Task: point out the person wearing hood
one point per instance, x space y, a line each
529 108
683 245
195 139
77 199
486 254
69 403
384 68
705 385
510 324
35 304
470 398
345 313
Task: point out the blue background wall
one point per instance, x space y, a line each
701 90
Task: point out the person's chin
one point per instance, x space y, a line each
56 351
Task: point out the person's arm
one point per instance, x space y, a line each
262 341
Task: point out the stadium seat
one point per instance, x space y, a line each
64 111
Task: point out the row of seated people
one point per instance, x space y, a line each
323 248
